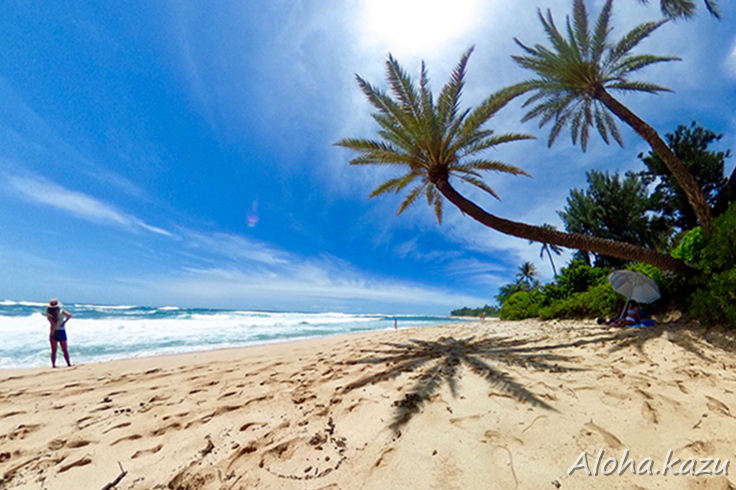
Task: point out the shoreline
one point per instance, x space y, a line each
60 361
361 411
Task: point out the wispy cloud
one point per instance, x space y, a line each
305 285
228 269
80 205
237 248
731 61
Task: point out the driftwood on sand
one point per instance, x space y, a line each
117 480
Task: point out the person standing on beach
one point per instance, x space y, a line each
58 317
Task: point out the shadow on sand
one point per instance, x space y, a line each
438 362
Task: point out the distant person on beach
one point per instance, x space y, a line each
58 317
631 316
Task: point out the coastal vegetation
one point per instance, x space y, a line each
486 310
671 221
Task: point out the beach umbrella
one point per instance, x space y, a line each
634 285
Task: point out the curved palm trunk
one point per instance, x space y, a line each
688 184
576 241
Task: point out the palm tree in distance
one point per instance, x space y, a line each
546 247
574 79
434 141
528 275
685 9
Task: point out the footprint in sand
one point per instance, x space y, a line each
22 431
163 430
132 437
57 444
717 406
178 415
80 462
715 483
301 395
498 439
114 427
592 437
615 398
12 414
144 452
306 458
253 425
649 413
78 443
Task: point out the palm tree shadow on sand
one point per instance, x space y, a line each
695 340
438 362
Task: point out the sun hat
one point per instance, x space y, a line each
54 303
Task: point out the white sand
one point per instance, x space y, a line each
306 415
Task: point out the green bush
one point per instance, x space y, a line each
715 301
524 304
579 277
600 300
649 270
690 246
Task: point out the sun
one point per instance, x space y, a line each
416 27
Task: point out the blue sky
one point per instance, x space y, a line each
181 153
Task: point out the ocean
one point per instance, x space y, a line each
103 333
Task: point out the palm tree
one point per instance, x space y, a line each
435 141
528 275
575 76
685 9
546 247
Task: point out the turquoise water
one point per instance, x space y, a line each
102 333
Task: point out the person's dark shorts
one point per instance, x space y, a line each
60 335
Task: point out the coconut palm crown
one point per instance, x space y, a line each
575 75
578 67
431 138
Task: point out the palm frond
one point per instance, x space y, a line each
489 107
638 87
600 123
411 198
580 30
490 165
448 101
403 88
386 105
473 147
394 185
611 124
713 8
633 63
602 31
435 199
480 185
634 37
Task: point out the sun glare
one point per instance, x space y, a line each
416 27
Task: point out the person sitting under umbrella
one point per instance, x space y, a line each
631 317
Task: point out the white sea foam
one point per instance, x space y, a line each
9 302
100 333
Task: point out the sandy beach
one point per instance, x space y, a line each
477 405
